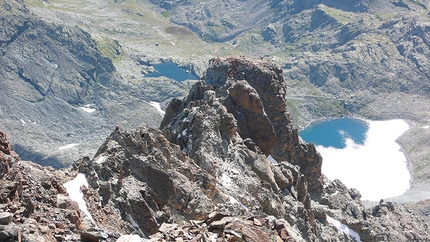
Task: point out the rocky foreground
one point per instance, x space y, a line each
203 176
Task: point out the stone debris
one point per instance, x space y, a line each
223 227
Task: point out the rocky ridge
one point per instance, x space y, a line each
202 177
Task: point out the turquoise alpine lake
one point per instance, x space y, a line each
334 132
352 147
173 71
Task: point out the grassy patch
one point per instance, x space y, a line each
166 14
109 47
341 16
216 31
295 112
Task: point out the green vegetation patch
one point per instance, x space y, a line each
341 16
166 14
109 47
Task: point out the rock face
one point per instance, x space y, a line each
204 176
47 72
269 33
253 92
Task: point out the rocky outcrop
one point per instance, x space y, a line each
268 83
34 205
269 33
150 179
146 180
7 155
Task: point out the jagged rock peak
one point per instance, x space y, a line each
250 97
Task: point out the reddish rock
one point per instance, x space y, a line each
75 218
254 234
215 216
7 155
251 117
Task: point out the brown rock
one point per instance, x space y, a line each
220 224
7 155
75 218
5 146
215 216
266 80
254 234
65 202
251 117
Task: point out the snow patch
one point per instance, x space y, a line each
134 224
130 238
156 105
271 159
225 180
100 159
73 188
342 228
67 146
234 172
235 201
88 108
380 158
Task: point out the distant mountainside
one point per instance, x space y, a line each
58 89
204 176
359 54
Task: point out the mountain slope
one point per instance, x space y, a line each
175 184
365 58
58 89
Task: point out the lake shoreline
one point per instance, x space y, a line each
323 119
